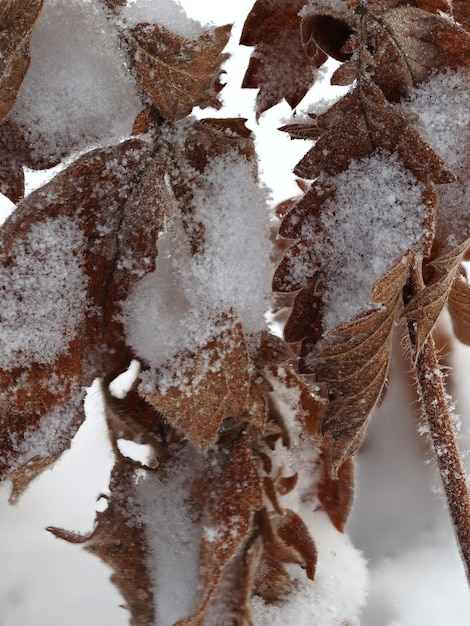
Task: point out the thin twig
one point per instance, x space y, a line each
435 405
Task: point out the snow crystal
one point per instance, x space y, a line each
337 594
173 535
44 296
77 91
167 13
377 214
176 307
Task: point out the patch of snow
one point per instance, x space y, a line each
338 593
167 13
377 214
181 304
77 91
173 534
44 293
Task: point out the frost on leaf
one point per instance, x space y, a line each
17 19
175 72
120 541
427 305
70 253
282 65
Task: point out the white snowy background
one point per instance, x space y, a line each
399 520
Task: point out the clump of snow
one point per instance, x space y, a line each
376 215
442 109
77 91
44 293
173 535
167 13
181 304
337 594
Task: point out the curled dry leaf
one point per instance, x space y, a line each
408 43
282 66
354 368
360 123
119 540
330 30
426 306
336 494
17 20
232 494
459 307
177 73
288 540
77 244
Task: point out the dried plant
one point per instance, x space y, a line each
134 251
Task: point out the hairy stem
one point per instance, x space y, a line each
435 406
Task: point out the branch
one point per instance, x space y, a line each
436 410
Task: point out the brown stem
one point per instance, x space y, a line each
435 405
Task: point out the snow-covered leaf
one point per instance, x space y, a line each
216 384
175 72
358 125
355 367
70 253
408 43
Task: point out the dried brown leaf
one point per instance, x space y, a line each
330 30
408 43
232 493
288 540
119 540
232 126
218 376
459 307
282 66
336 494
345 74
354 368
360 123
426 306
17 20
107 197
178 73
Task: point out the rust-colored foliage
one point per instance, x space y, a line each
281 66
272 427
